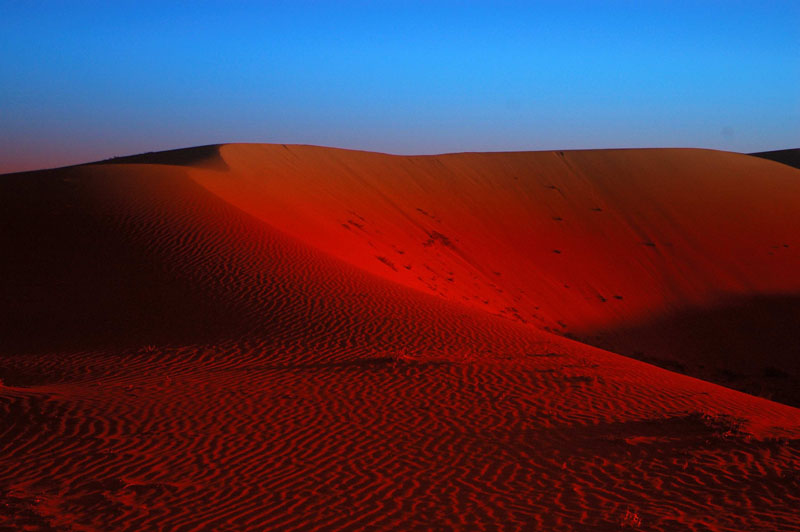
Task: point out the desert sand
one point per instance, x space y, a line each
270 337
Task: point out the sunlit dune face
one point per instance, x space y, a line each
590 238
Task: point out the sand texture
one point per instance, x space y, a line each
269 337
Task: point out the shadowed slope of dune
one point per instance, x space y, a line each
275 386
747 343
72 281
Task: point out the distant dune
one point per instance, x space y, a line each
788 157
296 338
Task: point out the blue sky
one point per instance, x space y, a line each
81 81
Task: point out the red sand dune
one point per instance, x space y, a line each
614 247
289 337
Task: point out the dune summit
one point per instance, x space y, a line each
287 337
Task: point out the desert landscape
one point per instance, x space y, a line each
294 337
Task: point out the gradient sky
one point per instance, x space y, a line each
82 81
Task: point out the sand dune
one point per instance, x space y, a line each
787 157
231 339
587 243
